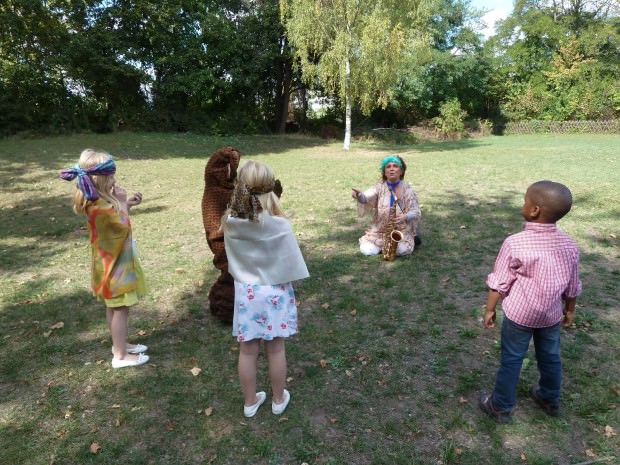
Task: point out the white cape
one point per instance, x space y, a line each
263 253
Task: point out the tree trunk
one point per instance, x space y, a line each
286 95
347 118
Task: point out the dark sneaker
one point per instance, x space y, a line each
486 405
550 409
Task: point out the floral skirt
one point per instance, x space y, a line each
264 312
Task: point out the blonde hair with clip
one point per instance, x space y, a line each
103 183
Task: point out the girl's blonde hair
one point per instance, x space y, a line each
103 183
255 174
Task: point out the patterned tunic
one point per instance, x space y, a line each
378 202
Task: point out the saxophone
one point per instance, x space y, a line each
391 235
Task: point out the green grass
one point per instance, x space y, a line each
402 373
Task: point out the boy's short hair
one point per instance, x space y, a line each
554 199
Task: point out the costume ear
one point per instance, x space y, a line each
277 188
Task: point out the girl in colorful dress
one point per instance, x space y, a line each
263 258
117 276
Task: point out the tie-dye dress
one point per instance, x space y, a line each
115 270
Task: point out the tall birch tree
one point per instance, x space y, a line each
354 48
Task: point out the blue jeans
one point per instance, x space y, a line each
515 342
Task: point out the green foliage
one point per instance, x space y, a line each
368 36
451 120
179 65
559 61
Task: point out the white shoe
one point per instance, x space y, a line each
136 349
252 409
141 360
278 409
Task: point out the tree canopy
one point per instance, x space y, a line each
237 65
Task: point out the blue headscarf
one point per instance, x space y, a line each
84 183
384 162
392 159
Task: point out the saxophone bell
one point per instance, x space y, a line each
396 236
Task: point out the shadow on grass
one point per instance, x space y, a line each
403 349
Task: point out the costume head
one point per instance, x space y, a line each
554 200
221 169
393 159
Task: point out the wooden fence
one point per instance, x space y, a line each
562 127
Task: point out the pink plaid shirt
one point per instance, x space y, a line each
534 270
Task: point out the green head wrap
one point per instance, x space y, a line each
391 159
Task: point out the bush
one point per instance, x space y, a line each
451 122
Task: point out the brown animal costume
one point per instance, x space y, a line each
220 176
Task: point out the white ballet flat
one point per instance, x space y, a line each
252 409
141 360
278 409
136 349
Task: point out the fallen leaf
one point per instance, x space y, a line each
458 451
348 373
141 333
47 334
58 325
209 411
282 419
116 406
613 236
333 420
323 363
289 379
212 459
609 431
462 400
354 312
95 448
590 453
195 371
325 306
119 421
179 271
523 457
463 226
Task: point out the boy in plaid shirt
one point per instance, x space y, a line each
536 271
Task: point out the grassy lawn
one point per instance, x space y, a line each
391 356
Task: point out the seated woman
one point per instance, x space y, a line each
392 197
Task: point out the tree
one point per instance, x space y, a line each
354 48
559 60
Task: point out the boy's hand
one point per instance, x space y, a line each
569 311
135 199
355 194
568 318
489 318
